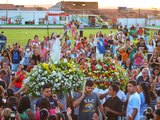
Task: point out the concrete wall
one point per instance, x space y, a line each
132 21
141 21
153 22
36 15
27 16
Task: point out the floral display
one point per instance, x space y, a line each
61 76
103 73
66 76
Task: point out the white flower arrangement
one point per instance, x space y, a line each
62 77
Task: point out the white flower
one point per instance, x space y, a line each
37 93
98 66
62 81
71 77
34 68
26 80
59 74
89 65
39 70
45 72
42 83
56 80
54 73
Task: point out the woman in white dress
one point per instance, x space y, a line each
56 48
99 45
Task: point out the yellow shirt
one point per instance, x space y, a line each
135 42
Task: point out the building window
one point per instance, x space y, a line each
63 18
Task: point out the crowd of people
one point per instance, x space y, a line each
138 54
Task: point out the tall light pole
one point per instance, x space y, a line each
84 6
155 14
6 11
139 12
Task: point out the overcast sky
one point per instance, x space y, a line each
102 3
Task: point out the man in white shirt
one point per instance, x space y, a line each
133 105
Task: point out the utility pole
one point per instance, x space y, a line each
139 12
155 14
6 11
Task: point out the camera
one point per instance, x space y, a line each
13 115
4 103
149 113
13 73
14 108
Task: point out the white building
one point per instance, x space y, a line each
29 17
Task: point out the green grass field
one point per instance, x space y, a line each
22 35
